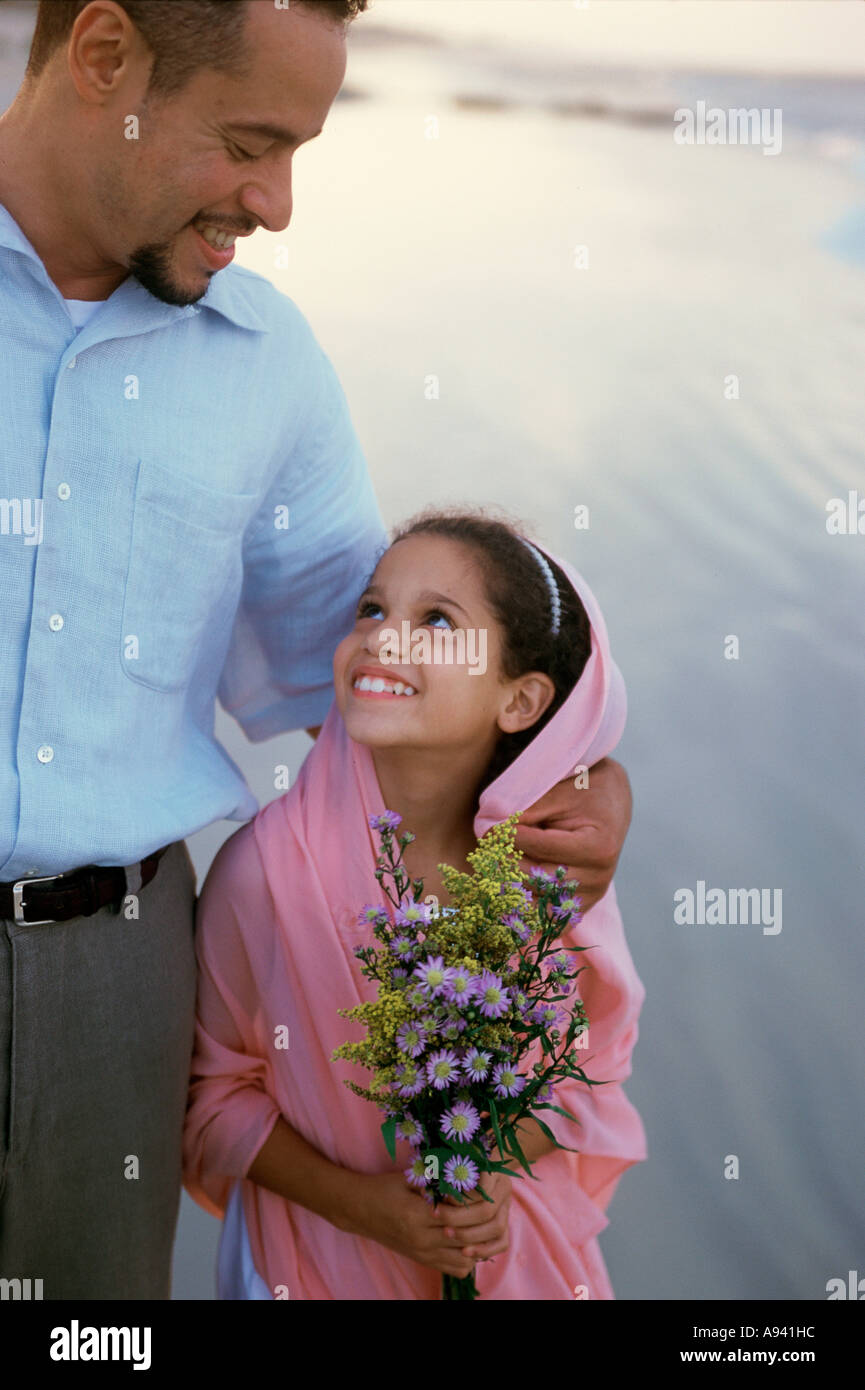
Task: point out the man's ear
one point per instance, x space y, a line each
524 701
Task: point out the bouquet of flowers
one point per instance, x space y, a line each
466 994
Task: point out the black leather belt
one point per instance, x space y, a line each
76 893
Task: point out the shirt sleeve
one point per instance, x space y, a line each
307 555
230 1109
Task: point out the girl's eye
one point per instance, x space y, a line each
240 155
367 609
434 615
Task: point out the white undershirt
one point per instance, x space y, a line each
80 310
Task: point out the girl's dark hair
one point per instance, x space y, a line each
519 596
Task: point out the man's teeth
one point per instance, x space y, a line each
214 237
377 685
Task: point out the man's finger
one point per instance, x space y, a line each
584 844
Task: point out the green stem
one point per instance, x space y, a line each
454 1289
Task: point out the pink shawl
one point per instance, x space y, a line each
276 930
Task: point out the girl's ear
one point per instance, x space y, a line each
524 701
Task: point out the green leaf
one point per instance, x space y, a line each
545 1105
518 1154
549 1133
494 1116
388 1131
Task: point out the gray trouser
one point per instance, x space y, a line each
96 1029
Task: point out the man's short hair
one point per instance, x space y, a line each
183 35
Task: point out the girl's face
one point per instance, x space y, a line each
422 667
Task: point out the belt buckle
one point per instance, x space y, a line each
18 900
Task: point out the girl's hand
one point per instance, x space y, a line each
486 1230
384 1208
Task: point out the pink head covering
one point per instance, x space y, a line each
585 729
276 937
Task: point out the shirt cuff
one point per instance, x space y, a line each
293 712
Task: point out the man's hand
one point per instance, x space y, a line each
583 829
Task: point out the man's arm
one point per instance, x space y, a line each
307 555
584 829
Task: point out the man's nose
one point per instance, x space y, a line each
268 199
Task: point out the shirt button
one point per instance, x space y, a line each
55 622
63 491
45 753
70 364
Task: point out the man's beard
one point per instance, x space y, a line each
151 265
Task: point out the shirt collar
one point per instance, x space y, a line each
224 294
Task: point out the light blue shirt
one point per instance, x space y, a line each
185 514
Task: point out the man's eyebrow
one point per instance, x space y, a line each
273 132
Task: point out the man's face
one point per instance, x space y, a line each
200 167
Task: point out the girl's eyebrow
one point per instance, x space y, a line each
428 596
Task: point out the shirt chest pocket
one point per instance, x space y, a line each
184 575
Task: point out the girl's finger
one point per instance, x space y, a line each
488 1250
481 1235
475 1214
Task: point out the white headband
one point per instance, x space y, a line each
555 600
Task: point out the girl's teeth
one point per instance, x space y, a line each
377 685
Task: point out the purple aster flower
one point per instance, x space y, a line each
372 913
408 1128
550 1015
413 914
561 964
409 1081
460 988
520 928
398 973
442 1068
546 1091
402 946
389 820
477 1064
567 911
539 878
462 1173
460 1122
491 995
411 1038
507 1082
433 975
416 1174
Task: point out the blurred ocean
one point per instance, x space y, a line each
698 386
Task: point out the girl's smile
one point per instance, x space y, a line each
375 683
